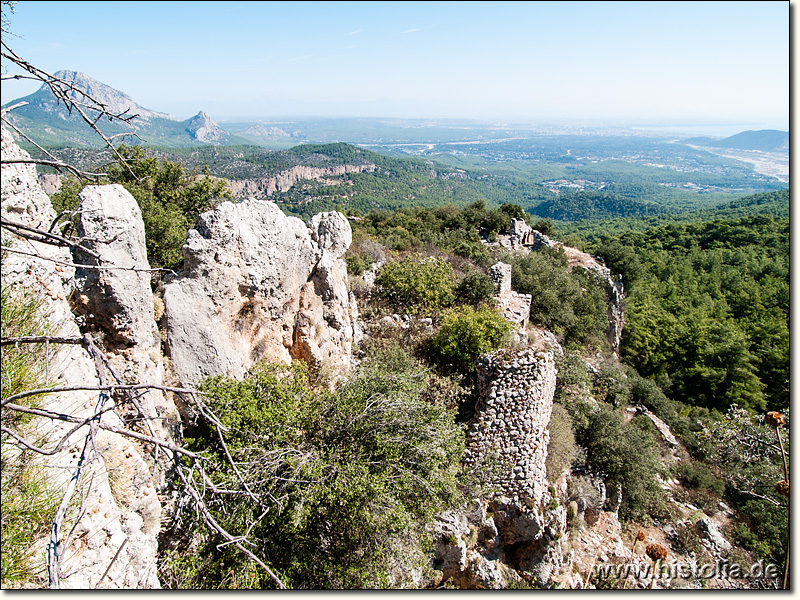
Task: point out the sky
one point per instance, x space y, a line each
629 62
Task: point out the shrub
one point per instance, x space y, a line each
465 334
627 454
357 264
572 305
544 226
417 283
169 196
356 473
612 385
28 501
475 288
562 450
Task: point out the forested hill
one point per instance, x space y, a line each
765 140
311 178
775 204
708 312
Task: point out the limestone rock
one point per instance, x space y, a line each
260 285
114 480
118 302
282 182
712 535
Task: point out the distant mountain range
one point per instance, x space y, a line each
765 140
47 121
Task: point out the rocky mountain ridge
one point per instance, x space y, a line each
203 129
115 101
42 114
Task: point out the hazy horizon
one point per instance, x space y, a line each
666 64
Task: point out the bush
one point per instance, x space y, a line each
475 288
28 499
465 334
170 198
562 450
627 454
417 284
612 385
357 474
572 305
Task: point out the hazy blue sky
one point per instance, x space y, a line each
636 61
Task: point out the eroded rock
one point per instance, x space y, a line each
258 285
119 505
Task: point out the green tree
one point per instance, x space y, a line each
350 478
170 198
476 287
627 454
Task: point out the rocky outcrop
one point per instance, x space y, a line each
118 303
114 101
260 285
283 182
203 129
117 531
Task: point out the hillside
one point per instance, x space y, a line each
486 434
765 140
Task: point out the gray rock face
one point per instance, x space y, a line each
116 487
260 285
202 128
282 182
114 100
712 537
118 302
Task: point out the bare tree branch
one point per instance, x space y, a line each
39 339
64 263
45 237
71 168
97 388
209 519
73 98
126 432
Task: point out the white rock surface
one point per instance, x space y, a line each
260 285
114 486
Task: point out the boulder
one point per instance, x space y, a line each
258 285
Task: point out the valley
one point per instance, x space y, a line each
396 353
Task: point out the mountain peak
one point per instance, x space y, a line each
115 101
203 129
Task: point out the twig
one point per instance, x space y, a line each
113 560
39 339
96 388
48 163
64 263
112 428
46 237
72 169
209 519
